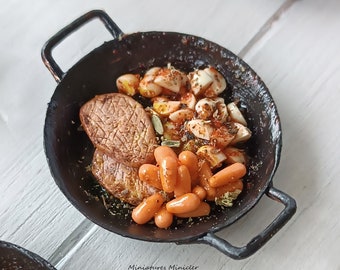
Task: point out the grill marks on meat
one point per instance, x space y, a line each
120 180
120 127
124 138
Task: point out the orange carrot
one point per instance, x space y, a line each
185 203
163 218
204 175
163 151
228 174
146 210
183 183
149 174
190 160
230 187
202 210
200 192
168 173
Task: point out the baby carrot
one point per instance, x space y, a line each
163 218
183 183
229 174
204 175
185 203
190 160
200 192
230 187
146 210
168 170
202 210
149 174
163 151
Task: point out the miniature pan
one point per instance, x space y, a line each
13 256
69 151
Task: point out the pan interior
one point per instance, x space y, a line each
16 257
69 151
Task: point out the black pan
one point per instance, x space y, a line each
69 150
15 257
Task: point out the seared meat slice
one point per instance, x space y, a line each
119 126
120 180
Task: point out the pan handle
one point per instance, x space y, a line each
258 241
46 52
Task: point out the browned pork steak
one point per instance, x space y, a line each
120 180
119 126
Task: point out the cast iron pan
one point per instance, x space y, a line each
69 151
15 257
